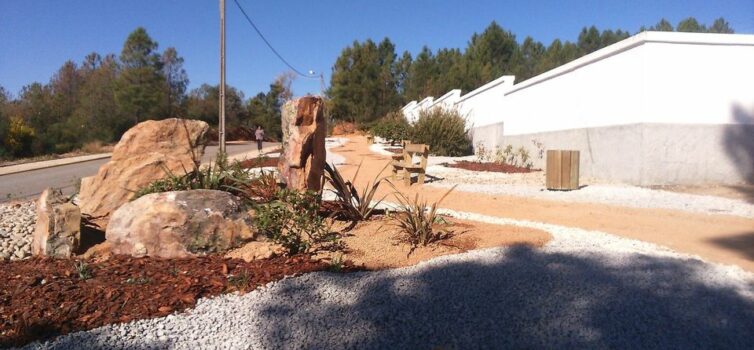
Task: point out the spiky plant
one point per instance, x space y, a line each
352 204
263 188
417 220
222 176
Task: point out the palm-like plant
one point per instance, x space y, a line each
352 204
416 219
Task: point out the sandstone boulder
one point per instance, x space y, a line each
179 224
304 128
58 229
143 155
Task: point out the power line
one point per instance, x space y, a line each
270 45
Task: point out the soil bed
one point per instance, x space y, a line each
262 162
42 298
377 244
493 167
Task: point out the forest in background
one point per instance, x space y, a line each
100 98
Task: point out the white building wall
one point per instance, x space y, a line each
448 100
482 106
649 78
656 108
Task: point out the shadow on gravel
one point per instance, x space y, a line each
520 299
743 244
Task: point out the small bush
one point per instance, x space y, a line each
292 221
482 153
444 130
523 158
262 188
240 282
83 270
416 220
19 138
499 156
393 127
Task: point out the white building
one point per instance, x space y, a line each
656 108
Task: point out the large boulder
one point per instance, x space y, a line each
179 224
144 154
304 128
58 229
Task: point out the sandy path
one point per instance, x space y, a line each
718 238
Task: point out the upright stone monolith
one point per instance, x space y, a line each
302 163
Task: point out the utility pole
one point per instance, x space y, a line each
222 77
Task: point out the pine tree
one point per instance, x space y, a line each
176 81
140 88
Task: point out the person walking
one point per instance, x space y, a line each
259 135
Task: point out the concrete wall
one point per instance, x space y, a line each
656 108
652 77
647 154
482 106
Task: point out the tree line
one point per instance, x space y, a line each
100 98
369 79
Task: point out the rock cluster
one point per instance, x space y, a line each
16 228
179 224
144 154
302 163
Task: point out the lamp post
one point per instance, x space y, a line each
221 93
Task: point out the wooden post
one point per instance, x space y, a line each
562 171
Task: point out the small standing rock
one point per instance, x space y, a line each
57 233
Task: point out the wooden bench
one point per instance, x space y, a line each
405 163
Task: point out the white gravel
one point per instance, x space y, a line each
531 185
584 289
622 195
332 142
16 227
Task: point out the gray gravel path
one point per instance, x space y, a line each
16 227
584 289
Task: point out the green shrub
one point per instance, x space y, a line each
222 176
393 127
292 221
83 270
18 138
444 130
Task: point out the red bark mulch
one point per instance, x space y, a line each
42 298
261 162
494 167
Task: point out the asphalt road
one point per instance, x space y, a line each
30 184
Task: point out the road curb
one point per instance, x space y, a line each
20 168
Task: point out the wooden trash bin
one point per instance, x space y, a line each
562 170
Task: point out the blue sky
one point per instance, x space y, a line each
36 36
